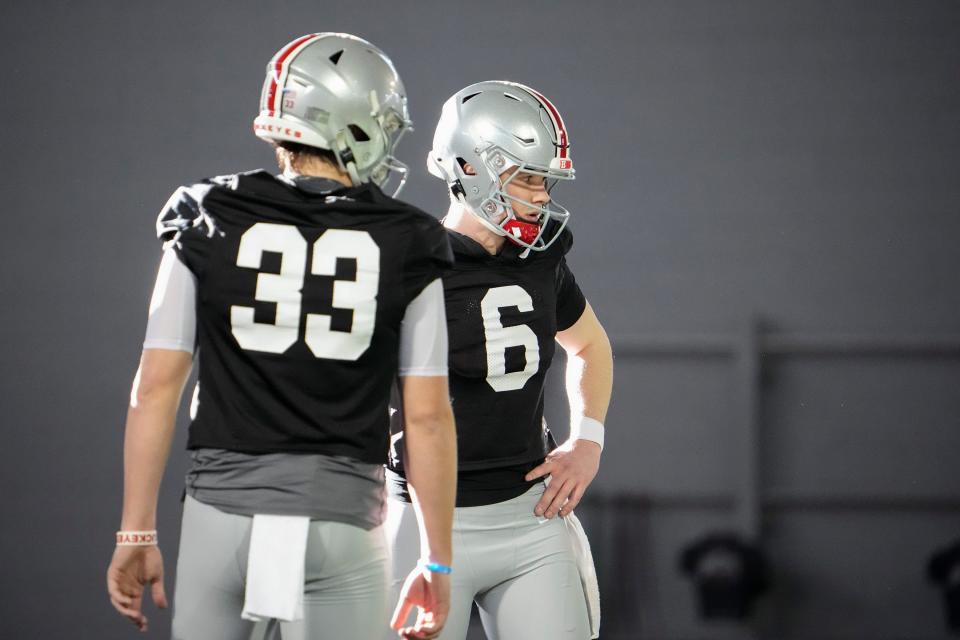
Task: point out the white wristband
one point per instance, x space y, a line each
136 538
587 429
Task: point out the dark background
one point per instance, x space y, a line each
748 172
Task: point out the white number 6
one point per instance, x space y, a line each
499 338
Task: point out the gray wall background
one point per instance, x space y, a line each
792 161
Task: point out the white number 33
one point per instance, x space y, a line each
284 289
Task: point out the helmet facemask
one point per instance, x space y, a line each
391 170
390 123
496 211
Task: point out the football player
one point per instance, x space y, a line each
305 295
501 147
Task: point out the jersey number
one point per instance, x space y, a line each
499 338
284 289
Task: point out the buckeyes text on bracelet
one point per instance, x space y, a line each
136 538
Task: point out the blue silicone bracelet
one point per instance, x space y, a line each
436 567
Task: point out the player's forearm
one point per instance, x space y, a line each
589 380
151 420
431 468
146 447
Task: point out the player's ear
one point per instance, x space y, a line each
468 169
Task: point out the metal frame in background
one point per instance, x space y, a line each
746 351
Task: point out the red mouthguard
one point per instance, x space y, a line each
526 232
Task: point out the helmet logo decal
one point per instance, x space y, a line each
279 69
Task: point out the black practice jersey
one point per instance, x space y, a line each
300 297
503 314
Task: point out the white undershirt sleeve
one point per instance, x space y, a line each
172 323
423 334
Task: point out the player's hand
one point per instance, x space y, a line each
572 467
130 570
430 593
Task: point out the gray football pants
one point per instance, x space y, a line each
345 595
520 569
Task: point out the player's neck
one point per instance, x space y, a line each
314 168
464 222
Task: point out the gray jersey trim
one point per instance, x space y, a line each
331 488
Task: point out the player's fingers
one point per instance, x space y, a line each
159 595
426 622
132 594
547 498
438 622
558 500
113 590
128 601
116 596
421 631
572 501
121 606
401 613
412 632
539 471
128 587
131 613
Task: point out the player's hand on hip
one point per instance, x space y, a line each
572 467
130 571
429 593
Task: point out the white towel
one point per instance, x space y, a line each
275 568
588 572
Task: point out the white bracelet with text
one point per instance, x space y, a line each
136 538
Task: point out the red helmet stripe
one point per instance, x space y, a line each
281 63
562 141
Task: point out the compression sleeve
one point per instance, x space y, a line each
172 323
423 334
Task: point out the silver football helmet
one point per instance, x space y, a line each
337 92
499 127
